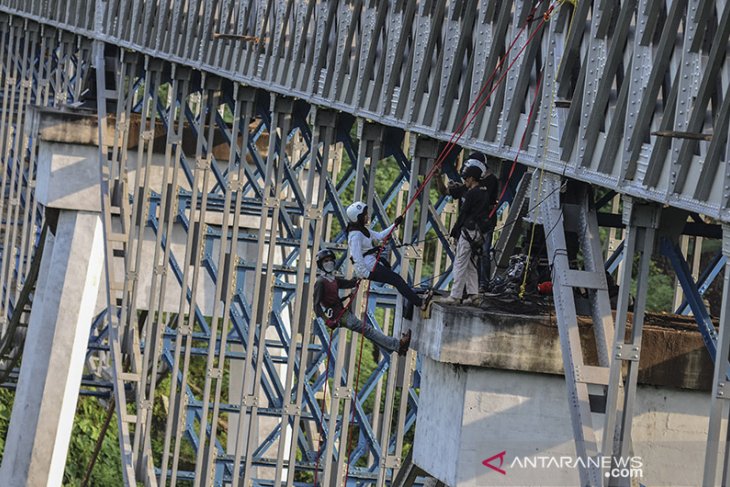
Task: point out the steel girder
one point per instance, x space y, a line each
39 67
637 95
713 269
672 251
716 456
140 349
559 215
206 191
641 221
610 79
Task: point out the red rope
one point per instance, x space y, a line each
461 129
442 157
519 149
465 122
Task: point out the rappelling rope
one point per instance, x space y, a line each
461 129
465 122
535 217
442 157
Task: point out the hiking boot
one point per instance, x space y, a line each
405 342
427 300
485 289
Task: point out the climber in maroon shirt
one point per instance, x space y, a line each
328 306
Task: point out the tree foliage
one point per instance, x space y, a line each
91 412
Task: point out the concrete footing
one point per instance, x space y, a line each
493 406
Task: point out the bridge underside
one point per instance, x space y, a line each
231 136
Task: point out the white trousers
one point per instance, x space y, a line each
465 269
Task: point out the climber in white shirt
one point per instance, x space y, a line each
363 252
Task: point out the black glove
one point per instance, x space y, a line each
398 220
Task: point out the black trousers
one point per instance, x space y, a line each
386 275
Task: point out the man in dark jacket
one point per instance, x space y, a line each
468 231
490 183
328 307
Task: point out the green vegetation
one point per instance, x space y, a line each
90 416
660 293
91 412
89 419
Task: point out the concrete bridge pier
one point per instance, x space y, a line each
493 399
65 295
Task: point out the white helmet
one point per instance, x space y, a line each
476 163
355 210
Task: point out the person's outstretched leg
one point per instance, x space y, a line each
387 343
386 276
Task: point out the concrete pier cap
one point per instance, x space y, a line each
68 158
493 406
68 178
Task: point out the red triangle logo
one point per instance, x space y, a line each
488 462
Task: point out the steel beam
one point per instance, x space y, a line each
716 454
641 221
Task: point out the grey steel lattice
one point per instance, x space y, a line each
624 71
636 98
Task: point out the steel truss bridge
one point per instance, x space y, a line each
279 112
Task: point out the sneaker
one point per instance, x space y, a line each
472 299
449 300
405 342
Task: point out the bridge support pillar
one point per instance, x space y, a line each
58 333
494 400
55 349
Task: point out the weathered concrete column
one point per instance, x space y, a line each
493 408
58 333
